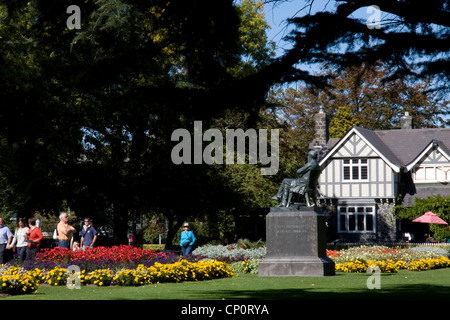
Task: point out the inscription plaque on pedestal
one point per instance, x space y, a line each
296 244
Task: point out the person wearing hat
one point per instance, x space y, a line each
187 239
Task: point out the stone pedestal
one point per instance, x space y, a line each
296 244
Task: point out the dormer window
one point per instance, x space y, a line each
355 169
436 173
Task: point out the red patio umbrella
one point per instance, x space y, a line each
429 217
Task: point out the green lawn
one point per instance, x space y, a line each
433 284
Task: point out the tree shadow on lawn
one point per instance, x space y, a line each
403 292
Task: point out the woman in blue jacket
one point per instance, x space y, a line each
187 239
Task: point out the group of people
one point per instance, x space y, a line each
25 241
64 234
27 237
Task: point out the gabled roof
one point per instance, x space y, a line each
408 144
433 144
400 148
369 137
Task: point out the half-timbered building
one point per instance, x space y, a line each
366 172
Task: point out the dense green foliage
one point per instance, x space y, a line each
437 204
87 114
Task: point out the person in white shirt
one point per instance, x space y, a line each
18 241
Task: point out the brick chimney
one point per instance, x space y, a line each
406 121
321 128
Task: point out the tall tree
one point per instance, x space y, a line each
111 94
362 95
413 39
378 102
342 122
38 140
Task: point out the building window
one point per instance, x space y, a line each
355 169
432 174
356 219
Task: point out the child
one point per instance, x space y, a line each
76 246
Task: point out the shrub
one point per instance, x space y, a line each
247 244
230 251
246 266
441 252
154 246
152 232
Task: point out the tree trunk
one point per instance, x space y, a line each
173 229
120 210
120 225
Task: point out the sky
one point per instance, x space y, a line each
276 15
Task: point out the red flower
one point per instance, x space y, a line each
120 253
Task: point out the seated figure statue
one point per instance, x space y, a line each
305 182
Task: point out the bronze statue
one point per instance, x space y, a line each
304 184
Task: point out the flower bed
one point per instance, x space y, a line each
158 273
389 266
176 272
129 266
122 266
14 280
388 260
114 258
116 254
378 253
356 259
